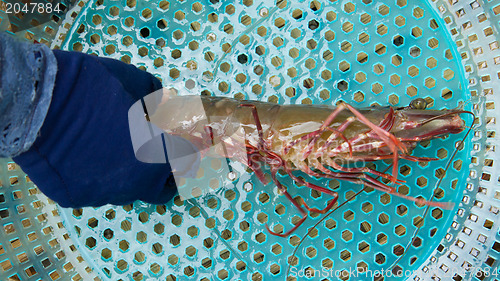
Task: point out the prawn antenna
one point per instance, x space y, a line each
426 212
293 258
438 184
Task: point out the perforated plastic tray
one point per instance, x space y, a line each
363 52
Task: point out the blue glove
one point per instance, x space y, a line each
83 155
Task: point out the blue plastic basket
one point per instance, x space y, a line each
320 52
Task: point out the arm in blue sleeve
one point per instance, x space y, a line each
83 155
27 75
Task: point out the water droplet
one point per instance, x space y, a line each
248 186
275 81
211 37
208 76
264 12
231 176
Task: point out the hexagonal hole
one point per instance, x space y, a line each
329 36
310 63
295 33
327 263
446 94
359 96
93 222
326 74
344 66
393 99
362 57
377 88
348 215
331 16
77 213
396 60
416 32
383 10
141 237
342 85
437 213
345 255
433 24
346 46
367 207
413 71
401 3
363 247
277 249
311 44
123 245
192 231
401 210
95 38
365 18
108 233
175 240
398 250
347 27
363 38
439 173
349 7
430 82
346 235
395 79
448 74
431 62
106 254
398 40
382 29
381 238
90 242
404 170
122 265
411 91
380 258
422 181
228 215
400 230
418 12
380 49
415 51
313 24
258 257
143 217
365 227
400 21
311 252
385 199
329 243
433 43
360 77
418 221
378 68
330 224
139 257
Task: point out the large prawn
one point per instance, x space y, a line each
321 141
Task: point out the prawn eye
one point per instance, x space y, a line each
419 103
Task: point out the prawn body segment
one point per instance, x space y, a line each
320 141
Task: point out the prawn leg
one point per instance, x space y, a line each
276 162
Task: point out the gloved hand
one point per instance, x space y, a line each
83 154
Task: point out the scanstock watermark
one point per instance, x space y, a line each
26 14
324 272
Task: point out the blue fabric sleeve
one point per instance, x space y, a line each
83 155
27 75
